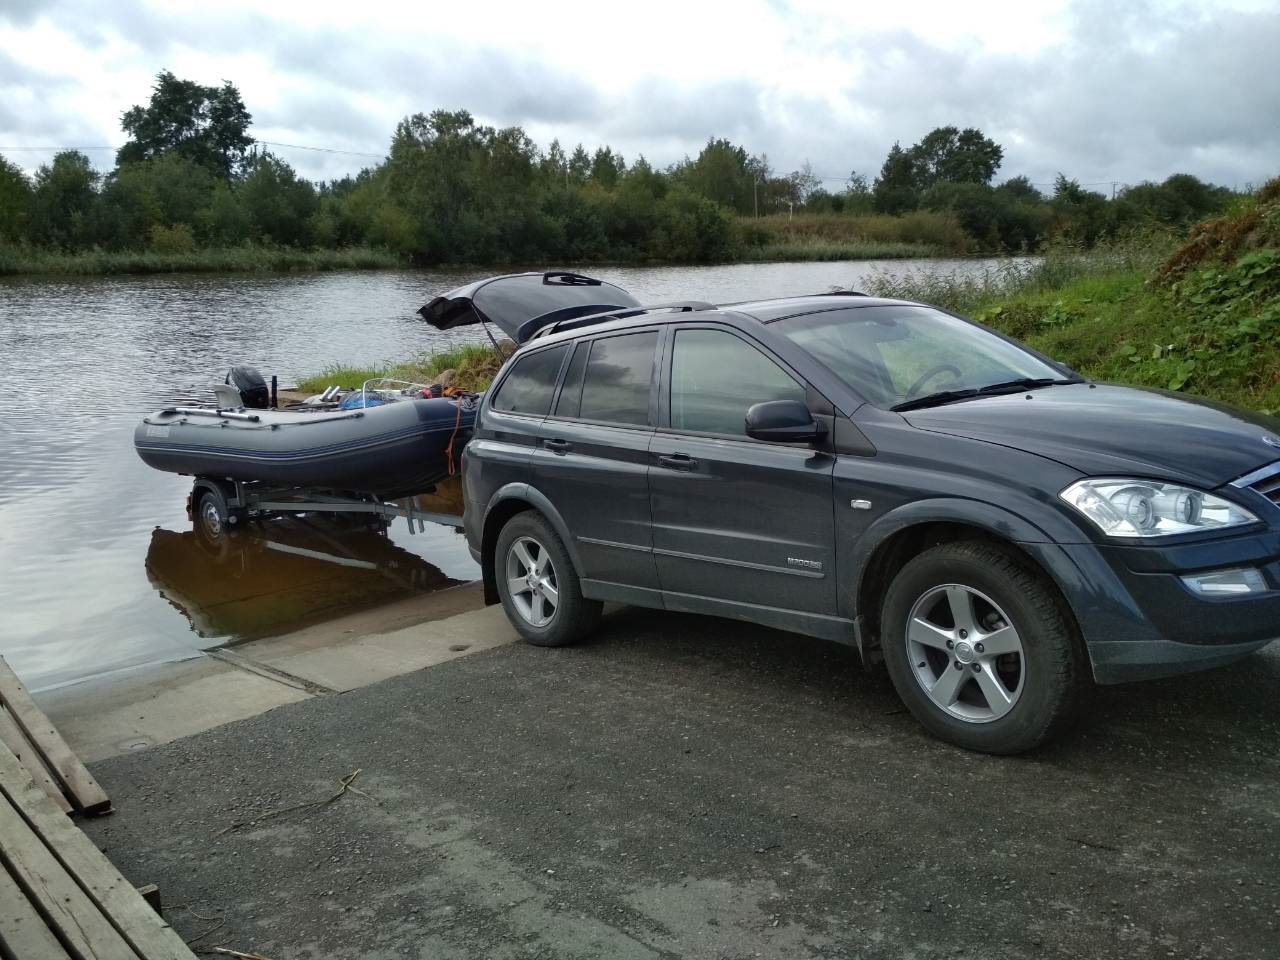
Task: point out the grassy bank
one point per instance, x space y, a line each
473 366
32 261
1203 316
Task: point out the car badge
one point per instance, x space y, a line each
1274 441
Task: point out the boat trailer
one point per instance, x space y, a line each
218 505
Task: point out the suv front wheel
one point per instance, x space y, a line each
979 648
538 585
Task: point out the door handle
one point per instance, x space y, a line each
558 446
678 461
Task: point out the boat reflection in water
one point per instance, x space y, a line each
284 573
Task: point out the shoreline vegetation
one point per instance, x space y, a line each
191 190
24 261
1199 313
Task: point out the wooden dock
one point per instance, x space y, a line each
29 735
60 897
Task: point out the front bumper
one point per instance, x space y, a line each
1141 621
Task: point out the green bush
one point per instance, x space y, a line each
177 238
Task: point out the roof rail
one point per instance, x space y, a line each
842 293
680 306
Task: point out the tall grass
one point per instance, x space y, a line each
20 260
920 233
474 365
1059 264
817 249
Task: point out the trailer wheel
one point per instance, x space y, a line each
211 514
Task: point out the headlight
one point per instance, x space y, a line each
1142 508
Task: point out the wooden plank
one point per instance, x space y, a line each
66 908
13 738
23 933
85 793
97 878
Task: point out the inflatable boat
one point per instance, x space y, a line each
388 449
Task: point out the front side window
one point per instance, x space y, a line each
616 382
892 354
716 377
530 384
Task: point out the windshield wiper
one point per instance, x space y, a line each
990 390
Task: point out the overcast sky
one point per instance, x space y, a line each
1103 90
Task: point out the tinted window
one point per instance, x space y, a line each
715 377
529 385
571 392
616 386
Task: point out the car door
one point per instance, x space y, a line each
591 462
739 523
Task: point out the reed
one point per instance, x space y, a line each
22 260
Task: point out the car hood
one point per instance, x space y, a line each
1105 429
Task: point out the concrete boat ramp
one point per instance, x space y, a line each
675 787
142 707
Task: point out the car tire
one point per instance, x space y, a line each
539 586
980 648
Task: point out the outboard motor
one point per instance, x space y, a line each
254 393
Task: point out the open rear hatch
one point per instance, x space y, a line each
520 304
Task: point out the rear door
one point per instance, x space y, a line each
591 461
737 521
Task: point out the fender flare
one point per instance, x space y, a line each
535 498
992 519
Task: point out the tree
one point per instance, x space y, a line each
607 167
579 164
1020 188
857 194
723 173
897 189
208 125
62 202
950 155
15 200
279 203
1082 214
164 191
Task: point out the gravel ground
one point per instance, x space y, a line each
687 787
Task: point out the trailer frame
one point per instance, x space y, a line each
224 503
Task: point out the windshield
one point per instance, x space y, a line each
899 353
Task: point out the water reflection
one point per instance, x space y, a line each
283 574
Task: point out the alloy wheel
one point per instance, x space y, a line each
531 581
965 653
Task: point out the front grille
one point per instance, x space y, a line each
1266 481
1269 488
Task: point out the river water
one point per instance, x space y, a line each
99 567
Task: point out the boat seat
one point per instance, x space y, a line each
226 396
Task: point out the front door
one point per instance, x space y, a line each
743 523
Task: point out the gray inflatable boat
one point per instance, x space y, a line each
389 451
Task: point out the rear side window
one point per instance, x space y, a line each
530 384
571 392
716 377
616 382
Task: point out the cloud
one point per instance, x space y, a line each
1102 92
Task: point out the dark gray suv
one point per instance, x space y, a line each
879 473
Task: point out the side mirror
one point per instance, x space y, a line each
783 421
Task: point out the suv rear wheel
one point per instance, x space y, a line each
538 585
979 648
